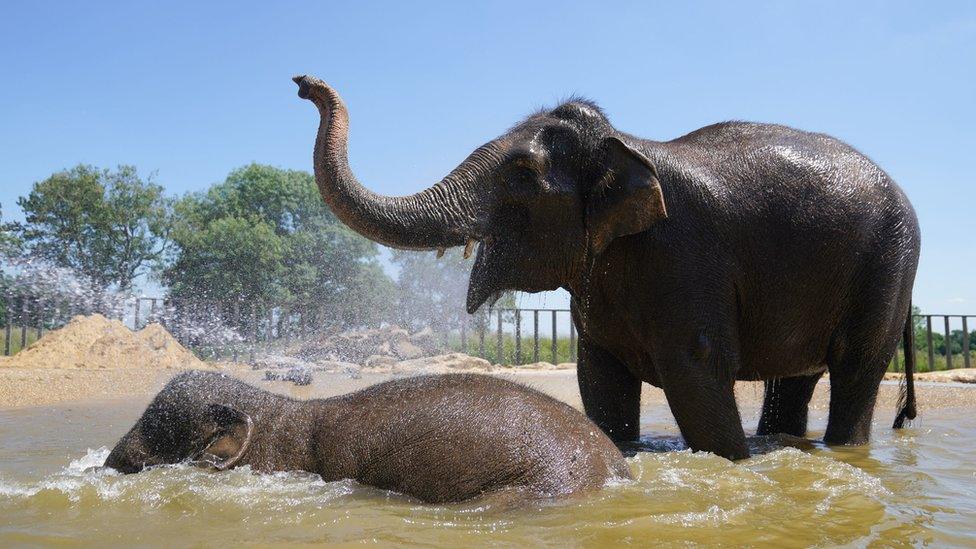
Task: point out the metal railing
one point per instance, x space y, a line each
551 338
241 330
939 353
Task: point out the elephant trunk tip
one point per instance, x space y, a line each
305 85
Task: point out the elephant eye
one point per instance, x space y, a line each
520 181
523 175
526 173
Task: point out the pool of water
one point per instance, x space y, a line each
915 486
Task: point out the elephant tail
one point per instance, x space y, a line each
906 400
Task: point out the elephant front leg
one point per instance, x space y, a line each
702 400
610 392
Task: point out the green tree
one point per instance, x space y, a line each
9 241
108 226
264 236
228 258
955 342
919 325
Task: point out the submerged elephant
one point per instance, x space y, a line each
740 251
444 438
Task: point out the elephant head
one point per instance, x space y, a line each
172 430
541 200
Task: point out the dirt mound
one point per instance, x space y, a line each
361 346
95 342
958 375
451 362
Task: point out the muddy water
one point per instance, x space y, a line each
917 486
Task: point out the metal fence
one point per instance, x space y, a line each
930 348
501 336
240 331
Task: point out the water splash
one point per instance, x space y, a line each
676 497
39 293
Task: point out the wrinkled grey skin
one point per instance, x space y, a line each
740 251
440 439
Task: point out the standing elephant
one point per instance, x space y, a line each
740 251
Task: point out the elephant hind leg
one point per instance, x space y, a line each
860 354
785 405
853 393
855 375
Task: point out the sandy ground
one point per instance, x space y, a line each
39 387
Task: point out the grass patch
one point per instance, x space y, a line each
509 354
939 363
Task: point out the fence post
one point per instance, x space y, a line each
286 323
217 309
928 340
555 350
179 316
24 321
171 319
572 341
911 344
965 342
235 345
464 334
499 348
254 331
40 318
55 314
271 324
7 328
482 328
535 335
518 337
948 344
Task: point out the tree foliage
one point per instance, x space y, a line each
8 237
9 240
108 226
9 243
264 236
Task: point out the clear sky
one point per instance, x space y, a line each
192 91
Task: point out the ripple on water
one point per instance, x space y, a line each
786 495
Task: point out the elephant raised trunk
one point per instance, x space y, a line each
446 214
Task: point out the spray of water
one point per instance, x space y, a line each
38 293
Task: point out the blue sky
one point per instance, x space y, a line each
194 90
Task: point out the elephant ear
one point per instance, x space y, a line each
627 199
232 438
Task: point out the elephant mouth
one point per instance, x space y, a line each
484 284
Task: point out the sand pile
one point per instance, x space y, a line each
451 362
958 375
95 342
